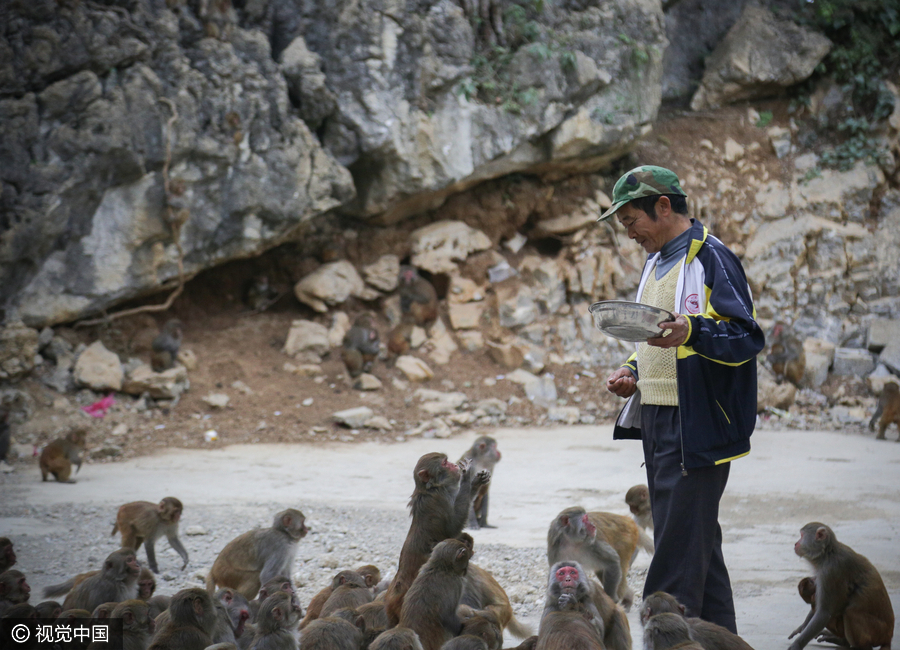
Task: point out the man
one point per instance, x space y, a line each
692 389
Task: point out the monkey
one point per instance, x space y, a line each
71 615
888 410
349 589
482 455
481 592
232 612
146 584
14 589
568 628
331 633
138 626
165 346
602 542
483 626
708 635
668 632
273 585
439 506
369 573
786 357
400 338
848 587
142 522
48 609
58 457
158 604
638 500
430 605
104 610
397 638
360 346
600 611
835 627
372 575
221 646
374 615
465 642
278 618
192 620
115 582
22 610
259 296
253 558
417 296
7 554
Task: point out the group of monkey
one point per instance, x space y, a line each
437 599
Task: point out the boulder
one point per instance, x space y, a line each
438 246
99 369
18 347
415 369
340 325
819 356
437 402
882 332
168 384
383 274
216 400
890 356
853 361
466 316
769 393
307 339
367 382
329 285
760 56
354 418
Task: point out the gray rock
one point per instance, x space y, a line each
882 332
18 347
384 273
437 402
168 384
567 414
99 369
353 418
890 356
853 361
819 357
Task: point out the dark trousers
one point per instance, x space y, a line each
688 561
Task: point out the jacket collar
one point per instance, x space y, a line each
699 233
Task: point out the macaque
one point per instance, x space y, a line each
191 622
142 522
485 627
483 455
638 500
277 623
255 557
668 632
72 615
137 625
7 554
417 296
58 457
439 507
482 593
708 635
835 627
165 346
14 589
848 587
786 357
397 638
146 584
602 542
430 605
888 410
115 582
48 609
103 610
272 586
22 610
260 295
232 612
158 604
400 338
374 615
349 589
331 633
360 346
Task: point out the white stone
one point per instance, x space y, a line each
353 418
438 246
306 336
331 284
466 316
168 384
384 273
853 361
192 531
567 414
414 368
367 382
340 325
819 355
733 151
98 368
217 400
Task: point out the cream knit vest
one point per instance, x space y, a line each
658 382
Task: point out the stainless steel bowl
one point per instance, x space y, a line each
629 321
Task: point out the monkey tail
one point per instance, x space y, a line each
618 634
519 629
115 529
60 589
646 542
210 583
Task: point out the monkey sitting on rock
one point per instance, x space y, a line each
360 346
165 346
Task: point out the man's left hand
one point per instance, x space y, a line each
674 333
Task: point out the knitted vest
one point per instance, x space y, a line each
658 382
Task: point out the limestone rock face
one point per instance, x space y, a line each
760 55
18 345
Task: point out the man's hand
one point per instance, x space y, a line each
674 333
621 383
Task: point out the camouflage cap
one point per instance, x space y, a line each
646 180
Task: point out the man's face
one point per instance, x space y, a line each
647 232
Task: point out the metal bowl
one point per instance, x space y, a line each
629 321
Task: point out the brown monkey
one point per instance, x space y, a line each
158 604
142 522
7 554
888 409
369 573
849 587
602 542
372 575
104 610
165 346
465 642
430 605
115 582
259 295
417 296
482 592
331 633
137 625
400 338
71 615
568 628
439 507
48 609
638 500
398 638
146 584
277 622
192 619
360 346
232 612
14 589
272 586
786 357
349 589
58 457
482 455
374 615
708 635
835 627
668 632
483 626
253 558
22 610
600 611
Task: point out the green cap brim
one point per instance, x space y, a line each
612 210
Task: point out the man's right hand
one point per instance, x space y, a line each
621 383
